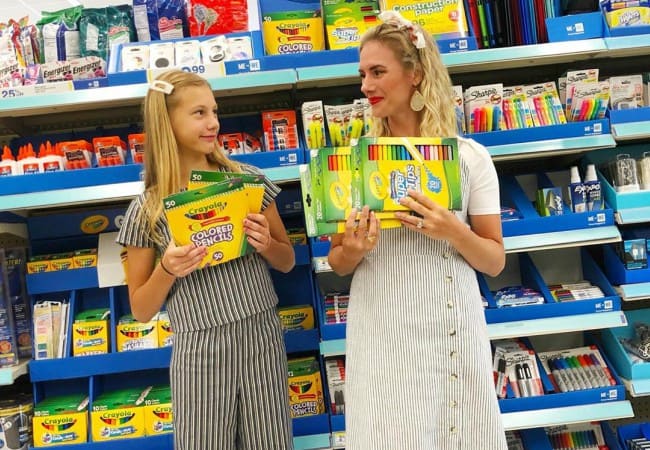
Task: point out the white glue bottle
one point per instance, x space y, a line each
577 192
592 185
8 163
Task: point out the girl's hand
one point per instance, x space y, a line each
181 261
434 221
360 239
257 229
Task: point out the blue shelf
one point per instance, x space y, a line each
333 347
635 291
570 238
86 366
301 340
632 42
311 442
62 280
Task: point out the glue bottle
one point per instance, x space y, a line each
8 163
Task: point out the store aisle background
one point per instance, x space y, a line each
15 9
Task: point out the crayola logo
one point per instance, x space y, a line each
207 211
90 331
164 413
301 387
94 224
131 333
118 418
378 185
166 327
339 195
58 425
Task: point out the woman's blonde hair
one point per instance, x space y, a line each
161 162
438 118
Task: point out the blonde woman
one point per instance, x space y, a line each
418 361
228 370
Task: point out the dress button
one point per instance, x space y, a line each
453 430
446 255
453 377
449 278
453 403
452 332
453 354
450 304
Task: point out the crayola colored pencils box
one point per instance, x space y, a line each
134 335
60 420
391 166
90 332
118 415
158 417
300 317
212 216
253 184
305 388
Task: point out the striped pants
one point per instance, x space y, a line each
229 387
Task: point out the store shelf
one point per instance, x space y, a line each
562 239
320 264
551 147
633 45
634 292
334 347
15 229
553 325
314 441
630 131
282 174
130 95
569 414
9 374
629 216
637 388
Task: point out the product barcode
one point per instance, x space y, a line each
608 304
598 128
293 158
600 217
255 65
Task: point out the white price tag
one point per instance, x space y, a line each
338 439
207 71
45 88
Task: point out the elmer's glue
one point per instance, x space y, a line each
8 163
50 161
28 162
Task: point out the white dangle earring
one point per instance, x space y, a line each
417 101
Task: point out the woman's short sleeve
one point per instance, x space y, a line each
484 183
135 231
271 190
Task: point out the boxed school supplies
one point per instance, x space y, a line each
346 21
90 332
253 184
300 317
133 335
158 417
212 216
441 19
291 26
118 415
60 420
305 388
165 333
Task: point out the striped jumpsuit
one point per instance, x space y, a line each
228 369
418 360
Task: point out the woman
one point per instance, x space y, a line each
418 360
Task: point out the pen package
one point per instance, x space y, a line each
523 375
389 167
589 101
544 104
516 113
577 369
313 122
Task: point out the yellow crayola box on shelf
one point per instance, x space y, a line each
158 418
305 388
212 216
300 317
39 264
290 26
441 19
61 261
346 21
90 332
165 333
253 184
118 415
60 420
134 335
390 166
84 258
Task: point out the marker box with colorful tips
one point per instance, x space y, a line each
212 216
60 420
133 335
118 415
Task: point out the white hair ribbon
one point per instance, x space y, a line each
161 86
395 18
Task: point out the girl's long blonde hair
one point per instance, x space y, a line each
161 162
438 118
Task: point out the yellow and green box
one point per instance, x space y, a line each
346 21
39 264
61 261
165 332
90 334
84 258
158 418
118 415
134 335
300 317
305 388
60 420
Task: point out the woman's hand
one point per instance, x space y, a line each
358 240
434 221
181 261
256 227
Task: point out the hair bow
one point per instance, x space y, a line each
395 18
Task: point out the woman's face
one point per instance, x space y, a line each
384 80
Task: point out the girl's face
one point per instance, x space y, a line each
194 121
384 80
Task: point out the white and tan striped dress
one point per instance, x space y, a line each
418 361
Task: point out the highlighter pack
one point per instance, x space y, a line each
378 172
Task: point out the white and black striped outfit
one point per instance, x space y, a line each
418 360
229 368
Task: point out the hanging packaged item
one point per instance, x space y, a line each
210 17
101 28
291 27
159 19
60 34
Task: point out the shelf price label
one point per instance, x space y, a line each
45 88
207 71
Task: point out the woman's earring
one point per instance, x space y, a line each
417 101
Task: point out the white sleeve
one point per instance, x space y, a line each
484 184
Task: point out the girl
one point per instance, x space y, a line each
418 358
228 369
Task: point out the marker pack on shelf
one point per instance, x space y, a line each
378 172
